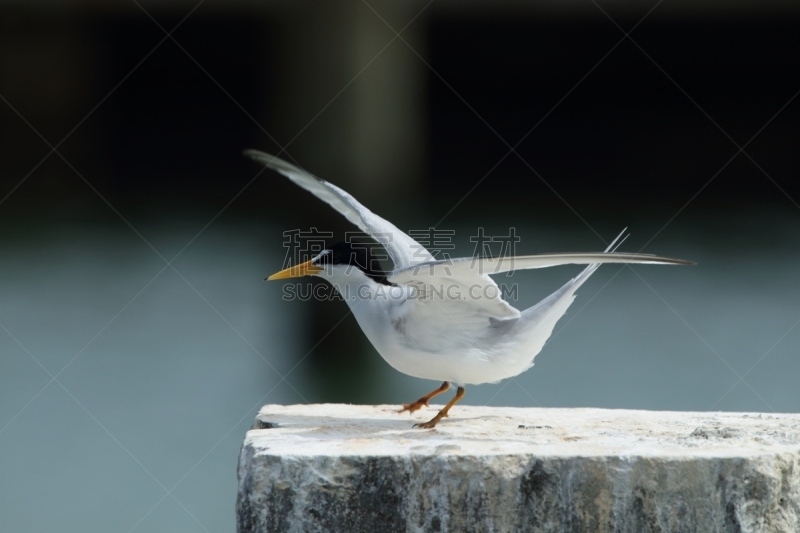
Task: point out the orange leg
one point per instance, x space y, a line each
423 402
443 413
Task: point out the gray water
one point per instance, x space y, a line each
160 373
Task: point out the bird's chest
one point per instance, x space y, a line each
380 311
388 319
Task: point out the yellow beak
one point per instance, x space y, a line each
303 269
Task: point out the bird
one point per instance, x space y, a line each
438 319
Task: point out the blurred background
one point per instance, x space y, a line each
138 338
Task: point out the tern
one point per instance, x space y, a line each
444 319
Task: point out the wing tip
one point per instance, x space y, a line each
622 237
656 259
268 160
279 165
252 153
659 260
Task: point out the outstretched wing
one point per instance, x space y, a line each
403 250
478 267
457 281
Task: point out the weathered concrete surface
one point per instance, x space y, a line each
363 468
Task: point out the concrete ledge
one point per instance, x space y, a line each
363 468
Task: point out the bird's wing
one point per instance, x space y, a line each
456 290
479 267
403 250
445 325
466 281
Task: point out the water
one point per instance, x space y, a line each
160 371
155 389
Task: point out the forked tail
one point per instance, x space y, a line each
539 320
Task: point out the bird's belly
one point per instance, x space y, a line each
445 353
460 359
462 367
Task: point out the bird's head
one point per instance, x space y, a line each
341 259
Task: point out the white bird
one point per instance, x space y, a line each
443 320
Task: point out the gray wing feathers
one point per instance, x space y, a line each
478 266
403 250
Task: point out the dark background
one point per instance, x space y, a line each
168 138
138 338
